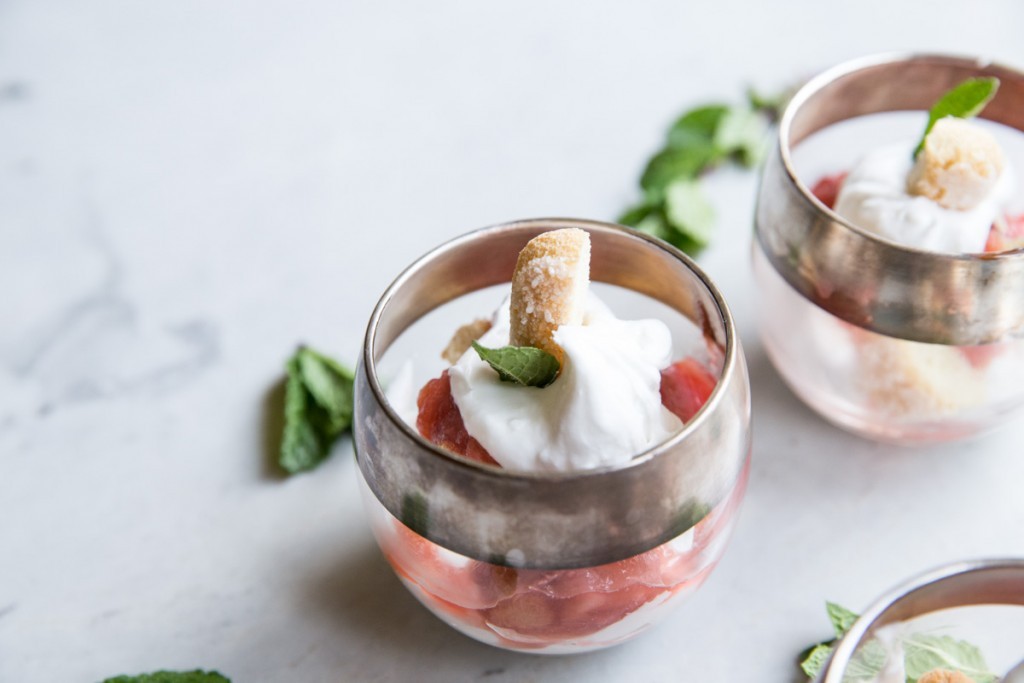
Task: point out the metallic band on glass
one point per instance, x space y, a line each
964 584
866 280
564 520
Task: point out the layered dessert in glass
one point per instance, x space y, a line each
891 277
566 512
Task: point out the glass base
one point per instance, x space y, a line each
561 611
884 388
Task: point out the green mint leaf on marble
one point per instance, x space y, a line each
771 105
196 676
697 127
816 659
700 140
926 652
670 165
655 223
637 213
842 619
963 101
317 409
741 134
688 212
521 364
331 386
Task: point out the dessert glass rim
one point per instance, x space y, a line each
822 80
928 589
724 378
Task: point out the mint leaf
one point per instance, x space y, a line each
697 127
317 409
741 133
816 659
521 364
925 652
842 619
196 676
771 106
635 214
688 211
331 386
922 653
867 662
963 101
301 445
655 223
674 164
698 141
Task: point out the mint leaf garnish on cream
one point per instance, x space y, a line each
523 365
317 409
963 101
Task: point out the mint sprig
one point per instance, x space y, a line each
814 658
674 207
196 676
842 619
923 653
964 101
523 365
927 652
317 409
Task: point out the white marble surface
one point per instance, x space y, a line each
187 189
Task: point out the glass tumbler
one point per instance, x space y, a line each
553 562
979 603
887 341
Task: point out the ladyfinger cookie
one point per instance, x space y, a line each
958 165
549 288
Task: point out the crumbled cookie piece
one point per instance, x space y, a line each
909 380
463 338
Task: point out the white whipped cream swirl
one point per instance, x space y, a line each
603 409
874 197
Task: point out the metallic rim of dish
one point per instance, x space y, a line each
545 520
864 279
962 584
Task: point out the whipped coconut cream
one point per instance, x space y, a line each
874 197
604 408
